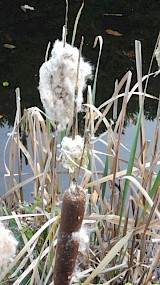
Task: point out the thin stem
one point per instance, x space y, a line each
75 120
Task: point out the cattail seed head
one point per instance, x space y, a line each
58 82
73 153
8 245
73 208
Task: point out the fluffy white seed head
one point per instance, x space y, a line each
71 153
58 81
82 236
8 246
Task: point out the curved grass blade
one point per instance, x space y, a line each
76 24
96 73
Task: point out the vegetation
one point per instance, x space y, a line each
118 241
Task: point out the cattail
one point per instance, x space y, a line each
73 153
73 208
8 245
57 83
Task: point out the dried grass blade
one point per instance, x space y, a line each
108 126
64 33
19 185
143 191
23 263
157 131
105 173
18 139
41 255
97 67
115 105
53 190
109 177
47 51
130 165
112 253
76 23
25 248
11 167
5 218
121 125
152 192
40 144
147 222
140 89
27 155
30 268
116 277
148 179
153 266
31 257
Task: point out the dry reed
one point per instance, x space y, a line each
122 217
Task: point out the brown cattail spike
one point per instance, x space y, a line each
72 214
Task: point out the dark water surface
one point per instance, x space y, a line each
30 33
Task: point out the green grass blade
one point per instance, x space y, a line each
48 126
152 192
130 165
155 185
76 24
63 134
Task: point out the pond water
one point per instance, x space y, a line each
29 32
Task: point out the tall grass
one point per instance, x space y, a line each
122 218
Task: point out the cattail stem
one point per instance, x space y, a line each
72 214
75 119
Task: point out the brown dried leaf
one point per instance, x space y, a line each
130 53
95 116
94 196
113 33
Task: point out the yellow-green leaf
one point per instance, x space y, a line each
5 83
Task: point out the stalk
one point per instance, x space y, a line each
73 208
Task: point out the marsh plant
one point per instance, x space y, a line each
8 246
58 83
105 228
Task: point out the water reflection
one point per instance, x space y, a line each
31 31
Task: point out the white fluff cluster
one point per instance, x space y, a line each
58 81
72 152
82 236
157 53
8 246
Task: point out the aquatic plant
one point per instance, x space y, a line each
58 80
72 214
73 153
8 245
116 199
